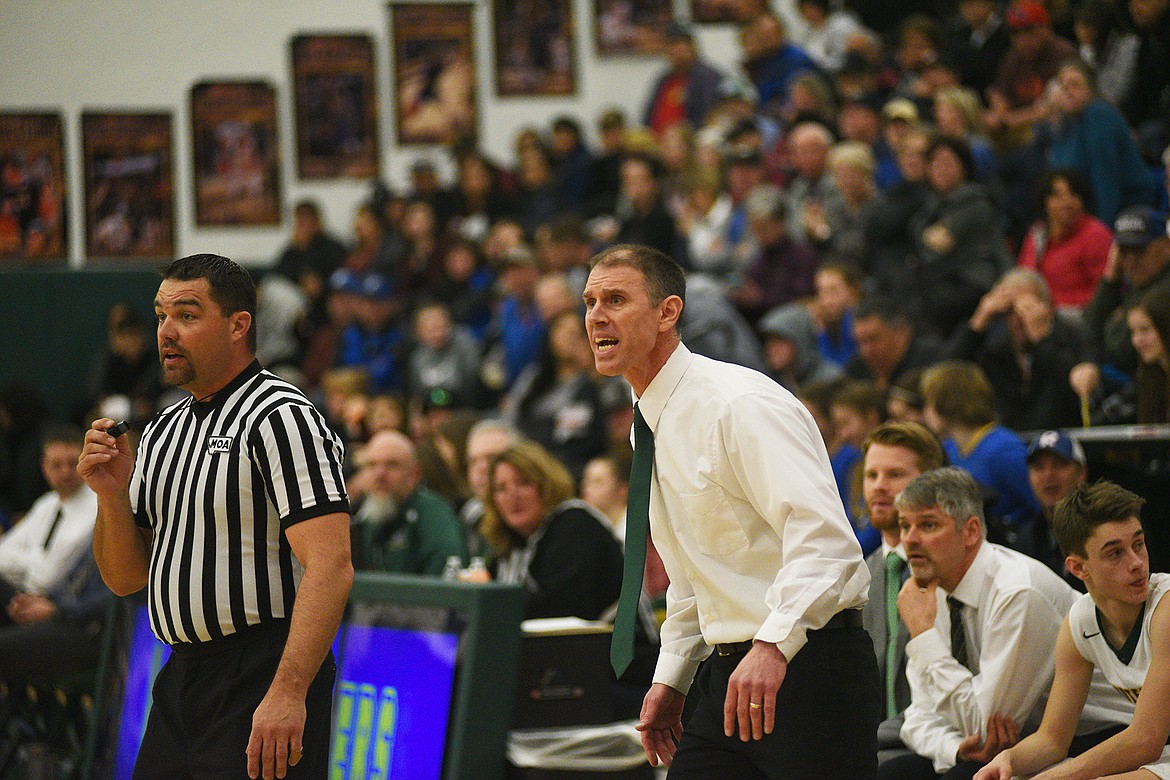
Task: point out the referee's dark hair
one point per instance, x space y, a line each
231 285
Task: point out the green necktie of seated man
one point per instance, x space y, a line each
621 649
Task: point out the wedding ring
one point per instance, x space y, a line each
754 706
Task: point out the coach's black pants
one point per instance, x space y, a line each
827 714
204 698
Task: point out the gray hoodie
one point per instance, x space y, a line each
794 323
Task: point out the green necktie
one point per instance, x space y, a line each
621 649
894 567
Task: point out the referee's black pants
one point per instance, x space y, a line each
827 714
203 701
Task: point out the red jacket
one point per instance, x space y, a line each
1072 266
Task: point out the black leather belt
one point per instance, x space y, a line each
733 648
253 633
846 618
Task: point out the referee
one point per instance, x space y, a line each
235 517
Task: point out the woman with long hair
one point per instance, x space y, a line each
558 547
1149 327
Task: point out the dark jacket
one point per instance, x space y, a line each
1040 399
702 92
951 283
82 596
1153 395
783 272
565 417
417 539
576 567
977 62
655 228
887 259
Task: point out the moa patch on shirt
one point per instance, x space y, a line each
218 444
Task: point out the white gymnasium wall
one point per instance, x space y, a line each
69 56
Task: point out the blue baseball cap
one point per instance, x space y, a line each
1139 226
1057 442
371 284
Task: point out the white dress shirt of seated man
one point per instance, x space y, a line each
42 549
969 704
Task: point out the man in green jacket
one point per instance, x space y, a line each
399 525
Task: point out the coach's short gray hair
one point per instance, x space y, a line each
951 489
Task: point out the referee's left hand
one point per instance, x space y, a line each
756 680
277 728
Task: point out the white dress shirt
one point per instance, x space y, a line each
1013 607
24 560
710 249
887 549
828 45
745 514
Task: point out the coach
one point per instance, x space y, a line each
766 577
235 517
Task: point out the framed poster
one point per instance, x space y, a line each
630 27
236 156
434 78
129 184
336 106
32 187
534 47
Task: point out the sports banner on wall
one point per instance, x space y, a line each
336 106
236 154
434 72
129 185
32 188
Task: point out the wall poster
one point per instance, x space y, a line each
32 187
236 155
129 184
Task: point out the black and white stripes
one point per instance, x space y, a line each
217 483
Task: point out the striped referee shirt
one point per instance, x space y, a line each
218 482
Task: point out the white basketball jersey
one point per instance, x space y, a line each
1126 678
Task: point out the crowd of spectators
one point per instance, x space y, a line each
954 218
979 188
